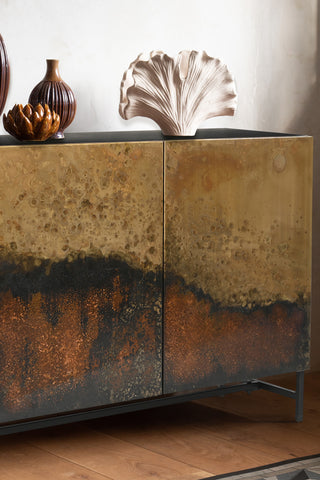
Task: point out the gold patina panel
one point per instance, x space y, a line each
60 201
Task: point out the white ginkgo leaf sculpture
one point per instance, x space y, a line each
177 93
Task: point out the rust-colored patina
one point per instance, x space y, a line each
80 276
237 259
207 345
66 347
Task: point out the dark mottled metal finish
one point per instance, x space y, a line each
237 259
88 334
80 277
206 344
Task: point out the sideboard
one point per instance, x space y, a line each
138 270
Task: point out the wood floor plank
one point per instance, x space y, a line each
19 460
200 427
111 456
283 440
258 406
271 417
180 442
265 406
188 443
311 422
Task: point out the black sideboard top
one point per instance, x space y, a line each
145 136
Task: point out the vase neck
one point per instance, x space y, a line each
52 73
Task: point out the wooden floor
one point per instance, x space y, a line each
190 441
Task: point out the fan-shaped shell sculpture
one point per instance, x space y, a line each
31 123
177 93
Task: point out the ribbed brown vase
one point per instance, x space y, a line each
4 75
53 91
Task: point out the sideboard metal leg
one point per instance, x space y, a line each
296 394
299 396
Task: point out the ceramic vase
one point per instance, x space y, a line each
4 75
53 91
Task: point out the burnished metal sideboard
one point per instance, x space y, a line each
138 270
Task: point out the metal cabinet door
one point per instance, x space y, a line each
237 259
80 276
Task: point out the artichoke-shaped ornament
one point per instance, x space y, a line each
31 123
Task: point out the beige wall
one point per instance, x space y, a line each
271 46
